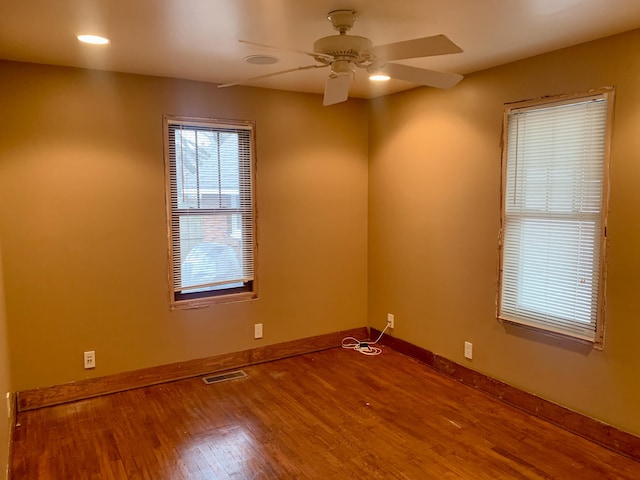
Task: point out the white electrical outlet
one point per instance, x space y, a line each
468 350
89 360
391 320
257 330
9 404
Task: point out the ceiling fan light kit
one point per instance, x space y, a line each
343 67
344 53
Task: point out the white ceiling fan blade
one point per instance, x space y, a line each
419 47
421 76
273 74
336 89
271 47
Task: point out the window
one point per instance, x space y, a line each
209 169
553 225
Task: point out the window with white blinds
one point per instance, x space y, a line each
554 194
210 209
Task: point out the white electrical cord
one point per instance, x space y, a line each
363 346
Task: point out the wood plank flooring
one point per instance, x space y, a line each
334 414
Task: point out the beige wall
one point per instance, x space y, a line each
5 383
83 225
434 193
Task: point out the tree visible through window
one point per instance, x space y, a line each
211 209
554 204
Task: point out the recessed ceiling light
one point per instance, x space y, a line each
261 59
93 39
379 77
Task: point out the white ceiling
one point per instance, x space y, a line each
198 39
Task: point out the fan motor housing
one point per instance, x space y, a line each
345 47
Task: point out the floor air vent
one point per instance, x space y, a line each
223 377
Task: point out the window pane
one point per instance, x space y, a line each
207 169
209 253
555 280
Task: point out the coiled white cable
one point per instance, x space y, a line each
363 346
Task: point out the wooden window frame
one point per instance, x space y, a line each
249 289
607 93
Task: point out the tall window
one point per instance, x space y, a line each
209 168
554 204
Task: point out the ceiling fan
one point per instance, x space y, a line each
344 53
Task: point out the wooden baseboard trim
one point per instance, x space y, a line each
594 430
93 387
12 404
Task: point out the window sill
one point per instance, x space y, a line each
550 334
207 301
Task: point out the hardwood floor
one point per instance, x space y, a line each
334 414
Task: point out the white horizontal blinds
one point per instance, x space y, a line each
211 206
552 225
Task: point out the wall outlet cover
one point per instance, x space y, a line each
89 359
257 330
468 350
